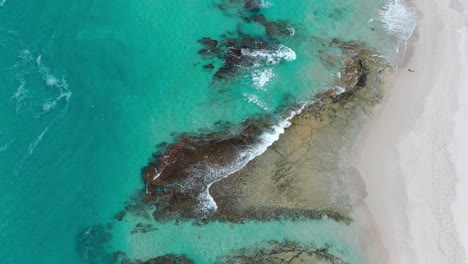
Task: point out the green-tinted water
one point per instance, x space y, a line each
88 88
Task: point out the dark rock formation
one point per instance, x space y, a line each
166 259
208 43
208 67
279 253
143 228
273 28
230 49
178 176
120 215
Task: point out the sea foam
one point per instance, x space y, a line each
252 98
206 201
54 82
271 56
400 21
32 146
261 77
6 145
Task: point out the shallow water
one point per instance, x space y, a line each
206 243
88 88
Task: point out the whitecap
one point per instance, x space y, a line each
263 4
261 77
271 56
400 21
2 3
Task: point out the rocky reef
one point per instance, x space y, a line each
280 253
273 252
177 177
238 50
303 173
298 176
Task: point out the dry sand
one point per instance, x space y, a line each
414 150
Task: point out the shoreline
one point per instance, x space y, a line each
405 152
402 177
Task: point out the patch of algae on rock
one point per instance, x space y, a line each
304 173
280 253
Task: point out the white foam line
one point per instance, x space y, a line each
32 146
36 142
7 145
400 21
208 204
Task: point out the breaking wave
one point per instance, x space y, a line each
271 57
400 21
206 202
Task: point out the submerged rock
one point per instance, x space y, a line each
208 67
166 259
273 28
143 228
236 50
208 42
279 253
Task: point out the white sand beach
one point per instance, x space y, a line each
413 154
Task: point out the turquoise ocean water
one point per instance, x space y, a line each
88 88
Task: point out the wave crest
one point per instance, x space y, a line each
400 21
271 57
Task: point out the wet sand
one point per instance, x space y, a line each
409 156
